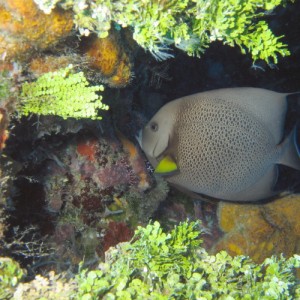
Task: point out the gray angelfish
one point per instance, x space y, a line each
225 143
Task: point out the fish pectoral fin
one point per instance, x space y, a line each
166 166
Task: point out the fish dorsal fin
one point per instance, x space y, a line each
268 106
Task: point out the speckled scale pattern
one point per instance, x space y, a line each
223 149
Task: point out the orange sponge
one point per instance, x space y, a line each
24 28
260 230
108 56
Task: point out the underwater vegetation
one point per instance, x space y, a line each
160 265
62 93
189 25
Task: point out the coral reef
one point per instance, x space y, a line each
142 203
138 164
72 188
3 126
8 167
116 233
24 28
98 189
51 286
260 230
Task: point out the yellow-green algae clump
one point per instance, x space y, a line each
62 93
171 265
189 25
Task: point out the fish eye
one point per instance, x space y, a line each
154 126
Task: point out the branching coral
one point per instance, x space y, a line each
190 25
62 93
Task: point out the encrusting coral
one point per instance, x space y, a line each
260 230
40 65
25 28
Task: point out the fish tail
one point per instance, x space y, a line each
291 151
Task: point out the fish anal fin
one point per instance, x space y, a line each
262 189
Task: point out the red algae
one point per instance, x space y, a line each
116 233
87 149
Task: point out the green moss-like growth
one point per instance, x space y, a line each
158 265
188 24
63 93
10 275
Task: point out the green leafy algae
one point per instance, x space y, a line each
190 25
10 275
63 93
158 265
